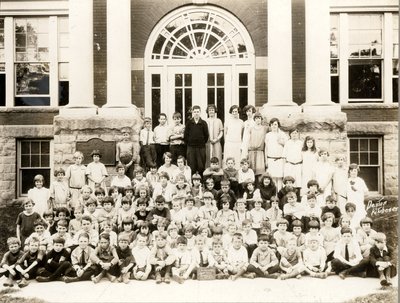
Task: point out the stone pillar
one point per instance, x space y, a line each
81 95
318 82
280 98
119 98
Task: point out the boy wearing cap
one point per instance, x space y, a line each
96 171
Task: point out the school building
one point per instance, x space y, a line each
74 71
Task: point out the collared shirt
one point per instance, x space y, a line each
76 256
353 248
161 134
146 136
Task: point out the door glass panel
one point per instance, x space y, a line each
210 79
178 100
220 79
188 79
221 103
210 95
188 102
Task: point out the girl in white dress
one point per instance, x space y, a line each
216 131
293 157
275 140
356 191
249 123
324 173
310 159
233 136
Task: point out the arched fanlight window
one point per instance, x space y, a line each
199 35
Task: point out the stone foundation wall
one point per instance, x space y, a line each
67 131
9 135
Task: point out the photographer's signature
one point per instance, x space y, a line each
380 207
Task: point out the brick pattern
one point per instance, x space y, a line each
100 51
261 88
30 118
298 51
372 114
138 88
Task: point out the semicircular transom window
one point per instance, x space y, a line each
199 35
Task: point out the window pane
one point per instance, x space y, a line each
395 83
365 21
221 103
188 103
32 78
155 80
395 67
35 161
353 157
373 144
25 147
178 80
354 145
25 161
363 144
188 80
370 176
243 79
32 101
210 79
155 105
178 100
364 159
220 79
335 89
365 79
373 159
35 147
63 93
44 160
45 147
211 96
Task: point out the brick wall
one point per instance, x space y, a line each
100 51
371 114
138 87
261 87
298 51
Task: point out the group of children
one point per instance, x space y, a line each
167 223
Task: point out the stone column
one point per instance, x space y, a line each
318 82
280 98
81 60
119 97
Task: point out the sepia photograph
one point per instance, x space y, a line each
199 151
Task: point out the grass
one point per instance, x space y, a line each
389 296
5 298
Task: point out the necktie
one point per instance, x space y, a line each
201 259
83 263
346 252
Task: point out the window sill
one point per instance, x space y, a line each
370 105
30 109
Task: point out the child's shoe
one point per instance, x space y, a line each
158 278
167 278
343 275
272 276
249 275
67 279
8 283
283 277
23 283
96 279
42 279
125 278
298 276
111 277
